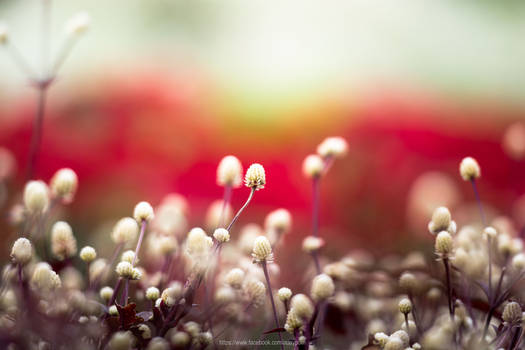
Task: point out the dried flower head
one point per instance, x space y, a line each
88 254
313 166
22 251
279 220
78 24
125 230
322 287
256 291
381 339
180 339
171 294
128 256
293 321
64 184
124 269
225 295
405 306
44 278
302 305
97 268
221 235
469 169
198 243
229 172
284 294
490 232
512 312
121 341
158 343
106 293
332 147
152 293
444 244
63 242
36 197
143 212
518 261
394 343
234 278
262 249
441 221
312 244
255 177
112 310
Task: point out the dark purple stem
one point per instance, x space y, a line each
270 294
252 191
139 243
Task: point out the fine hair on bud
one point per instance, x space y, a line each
229 172
255 177
469 169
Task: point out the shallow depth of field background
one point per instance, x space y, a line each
158 91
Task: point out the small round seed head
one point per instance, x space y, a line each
303 306
171 294
158 343
322 287
152 293
381 339
441 221
180 339
444 244
143 212
121 341
88 254
193 328
125 230
205 338
255 290
198 243
405 306
63 243
234 278
221 235
262 249
22 251
394 343
97 268
512 312
229 172
518 261
128 256
284 294
490 232
255 177
469 169
113 311
64 184
313 166
312 244
279 221
145 331
4 34
78 24
293 321
166 244
44 278
124 269
332 147
106 293
408 282
225 295
36 197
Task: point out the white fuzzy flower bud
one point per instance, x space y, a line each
512 312
313 166
394 343
167 244
143 212
22 251
124 269
441 221
256 292
381 339
121 341
221 235
279 221
128 256
229 172
36 197
408 282
78 24
262 249
171 294
97 268
113 311
469 169
88 254
64 184
125 230
106 293
225 295
234 278
444 244
490 232
405 306
518 261
322 287
158 343
284 294
193 328
145 331
152 293
293 321
63 243
401 334
255 177
45 279
198 243
180 339
303 306
332 147
312 244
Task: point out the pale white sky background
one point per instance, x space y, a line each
275 48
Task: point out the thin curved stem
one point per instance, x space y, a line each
478 200
139 243
270 294
36 137
242 208
226 198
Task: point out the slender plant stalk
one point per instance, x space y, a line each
270 294
449 288
252 191
315 206
226 198
36 137
139 243
116 290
